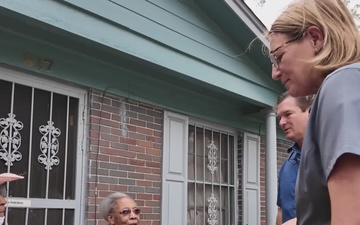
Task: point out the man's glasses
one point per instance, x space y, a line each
276 60
127 211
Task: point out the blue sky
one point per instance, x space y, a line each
269 11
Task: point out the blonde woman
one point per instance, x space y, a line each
315 49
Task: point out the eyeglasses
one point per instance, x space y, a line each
274 59
127 211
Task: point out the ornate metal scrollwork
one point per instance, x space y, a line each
10 139
49 145
212 210
212 157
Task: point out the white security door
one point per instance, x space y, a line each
41 137
251 180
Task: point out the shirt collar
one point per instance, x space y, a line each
294 147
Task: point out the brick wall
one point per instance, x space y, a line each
282 147
125 154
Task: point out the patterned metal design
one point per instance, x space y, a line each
10 139
212 155
212 210
49 145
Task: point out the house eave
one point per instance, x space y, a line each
249 18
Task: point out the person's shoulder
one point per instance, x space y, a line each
344 77
348 69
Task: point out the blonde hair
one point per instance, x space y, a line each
341 36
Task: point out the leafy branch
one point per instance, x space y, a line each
355 11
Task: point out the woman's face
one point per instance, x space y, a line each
3 200
294 69
2 205
125 212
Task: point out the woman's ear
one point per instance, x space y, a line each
110 219
316 36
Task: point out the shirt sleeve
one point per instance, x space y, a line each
338 117
278 202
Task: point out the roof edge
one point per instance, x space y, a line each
249 18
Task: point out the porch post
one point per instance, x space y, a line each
271 168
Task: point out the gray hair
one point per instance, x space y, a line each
107 204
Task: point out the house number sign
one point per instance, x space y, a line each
36 62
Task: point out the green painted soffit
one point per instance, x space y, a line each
238 32
82 63
82 69
253 87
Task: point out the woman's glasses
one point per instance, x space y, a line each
126 211
275 60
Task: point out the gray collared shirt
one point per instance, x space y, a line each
333 129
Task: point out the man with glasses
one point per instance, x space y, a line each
5 177
293 114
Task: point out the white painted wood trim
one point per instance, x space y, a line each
251 180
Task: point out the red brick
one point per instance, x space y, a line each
153 164
144 196
129 141
137 162
127 154
118 159
95 120
137 149
146 144
152 151
144 183
142 170
143 130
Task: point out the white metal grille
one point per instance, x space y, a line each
10 139
211 176
41 126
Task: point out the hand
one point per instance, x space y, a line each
290 222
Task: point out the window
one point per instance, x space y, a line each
211 176
40 138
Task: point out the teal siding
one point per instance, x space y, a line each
168 53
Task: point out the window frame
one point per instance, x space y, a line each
214 127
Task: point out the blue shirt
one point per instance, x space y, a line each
287 182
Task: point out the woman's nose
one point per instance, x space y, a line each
133 215
275 73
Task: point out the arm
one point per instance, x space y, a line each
344 185
290 222
340 144
279 217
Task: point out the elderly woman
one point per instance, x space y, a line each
315 49
119 209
